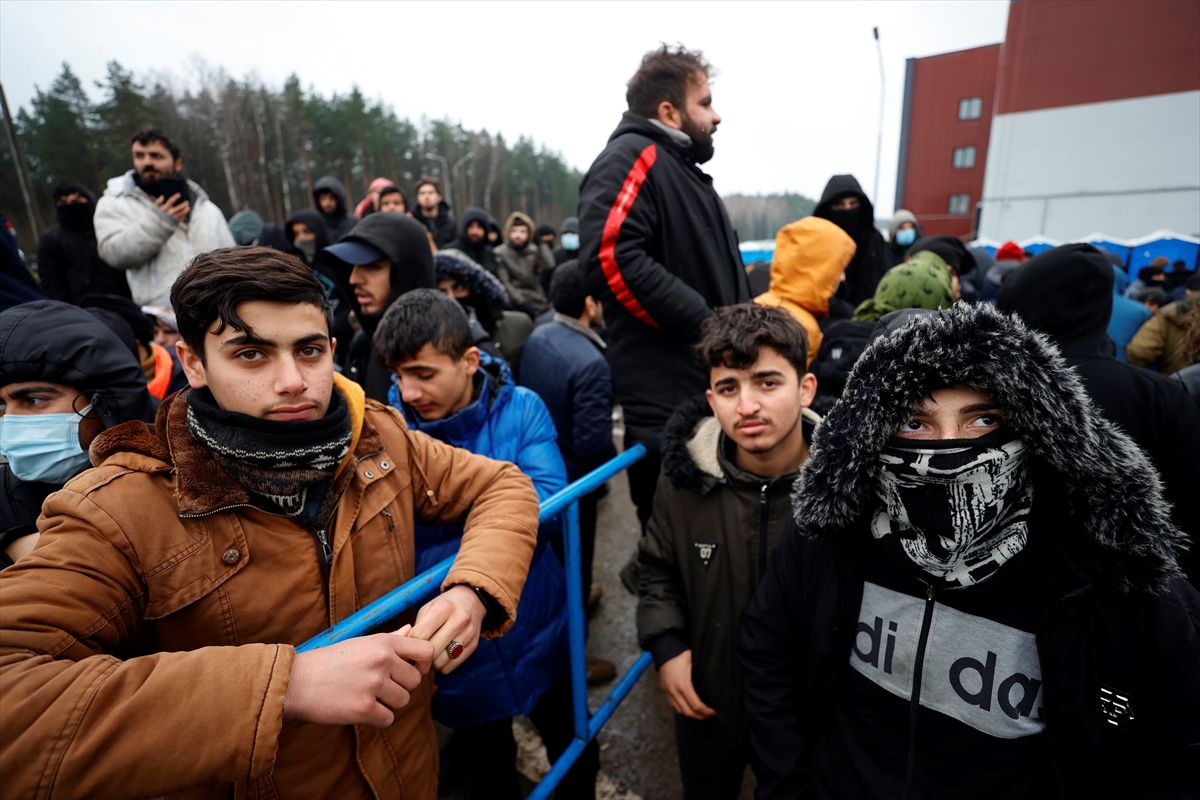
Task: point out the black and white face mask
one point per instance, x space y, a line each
957 509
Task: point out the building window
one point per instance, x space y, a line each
964 157
960 204
970 108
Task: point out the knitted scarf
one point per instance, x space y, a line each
288 463
957 509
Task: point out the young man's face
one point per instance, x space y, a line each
956 412
301 231
153 162
452 288
1153 306
493 236
72 199
475 233
165 336
393 201
548 239
850 202
518 235
372 285
328 202
428 198
282 370
759 407
700 119
436 385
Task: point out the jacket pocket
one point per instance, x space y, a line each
219 553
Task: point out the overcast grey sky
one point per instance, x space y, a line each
798 88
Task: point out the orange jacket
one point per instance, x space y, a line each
810 256
146 642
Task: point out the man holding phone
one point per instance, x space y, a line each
151 221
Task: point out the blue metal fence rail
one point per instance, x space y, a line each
565 502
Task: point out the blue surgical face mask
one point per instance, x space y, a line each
906 236
43 447
570 241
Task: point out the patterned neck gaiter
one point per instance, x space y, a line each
279 461
957 509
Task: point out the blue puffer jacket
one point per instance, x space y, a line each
506 676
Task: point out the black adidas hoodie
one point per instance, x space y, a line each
1115 627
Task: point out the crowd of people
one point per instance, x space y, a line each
916 521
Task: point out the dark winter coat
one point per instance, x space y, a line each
870 258
1189 379
568 371
521 269
704 552
1067 294
482 253
404 242
1126 621
441 228
657 247
69 265
338 294
505 677
341 220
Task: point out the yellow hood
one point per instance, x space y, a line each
810 256
356 399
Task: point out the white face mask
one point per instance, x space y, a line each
570 241
44 447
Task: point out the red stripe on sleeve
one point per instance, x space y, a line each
612 230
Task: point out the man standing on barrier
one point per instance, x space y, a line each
172 582
728 469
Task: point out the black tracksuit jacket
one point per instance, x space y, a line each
657 246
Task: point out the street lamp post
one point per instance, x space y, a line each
879 144
454 174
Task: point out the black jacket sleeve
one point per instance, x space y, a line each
52 267
1178 459
662 613
593 405
774 666
618 220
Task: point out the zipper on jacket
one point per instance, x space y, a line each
387 512
915 701
764 518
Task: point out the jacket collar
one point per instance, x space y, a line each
580 328
202 486
693 455
1127 535
632 122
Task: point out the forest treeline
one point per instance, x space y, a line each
252 146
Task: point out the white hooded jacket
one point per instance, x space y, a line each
150 245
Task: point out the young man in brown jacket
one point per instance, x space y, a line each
147 644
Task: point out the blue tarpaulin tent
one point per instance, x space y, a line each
1118 247
761 250
1174 246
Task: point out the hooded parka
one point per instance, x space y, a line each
482 253
895 250
341 220
658 249
870 256
1160 340
1116 640
69 265
147 642
405 244
810 255
520 269
151 246
706 547
335 290
441 227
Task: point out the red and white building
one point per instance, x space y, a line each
1090 122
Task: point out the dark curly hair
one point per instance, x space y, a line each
664 75
736 335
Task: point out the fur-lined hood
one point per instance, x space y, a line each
690 442
459 266
1127 534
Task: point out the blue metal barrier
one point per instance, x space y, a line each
566 502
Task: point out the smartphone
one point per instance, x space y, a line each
173 186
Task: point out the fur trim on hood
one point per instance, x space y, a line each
1126 533
517 218
457 265
690 440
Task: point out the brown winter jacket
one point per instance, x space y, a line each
1160 340
146 643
